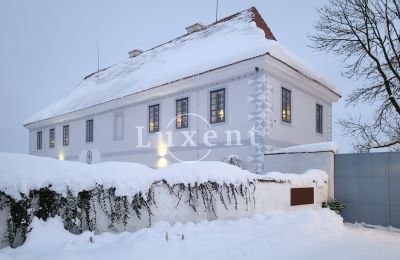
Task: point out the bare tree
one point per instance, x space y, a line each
366 34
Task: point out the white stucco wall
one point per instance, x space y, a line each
301 162
241 82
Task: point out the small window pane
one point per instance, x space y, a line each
286 105
217 106
66 135
52 138
89 131
319 118
182 113
154 118
39 140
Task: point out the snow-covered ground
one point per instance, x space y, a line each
300 234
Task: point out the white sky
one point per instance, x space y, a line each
47 47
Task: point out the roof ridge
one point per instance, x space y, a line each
256 17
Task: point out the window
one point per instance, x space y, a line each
66 135
154 117
89 131
286 105
319 115
118 126
182 113
39 140
217 106
52 138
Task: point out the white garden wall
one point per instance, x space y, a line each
298 162
118 197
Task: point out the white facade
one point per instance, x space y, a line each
238 54
246 109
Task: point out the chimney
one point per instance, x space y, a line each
195 27
135 53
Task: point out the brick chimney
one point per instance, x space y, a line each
135 53
195 27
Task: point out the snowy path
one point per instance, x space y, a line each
301 234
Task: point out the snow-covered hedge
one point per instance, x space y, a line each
120 197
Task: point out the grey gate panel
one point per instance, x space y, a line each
369 185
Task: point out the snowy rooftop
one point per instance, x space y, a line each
188 55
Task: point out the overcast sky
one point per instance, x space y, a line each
47 47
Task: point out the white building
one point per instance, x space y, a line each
243 92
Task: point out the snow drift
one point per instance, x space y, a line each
299 234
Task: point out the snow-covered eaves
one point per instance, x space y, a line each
233 39
308 148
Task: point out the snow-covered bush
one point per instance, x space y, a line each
334 205
233 159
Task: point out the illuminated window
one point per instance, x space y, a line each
154 117
319 116
89 131
66 135
39 140
286 105
182 113
217 106
52 138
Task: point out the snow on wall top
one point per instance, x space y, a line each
235 38
309 148
21 173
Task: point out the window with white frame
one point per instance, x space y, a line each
154 118
66 135
39 140
217 106
182 106
286 105
89 131
52 138
319 118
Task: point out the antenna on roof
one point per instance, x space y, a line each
216 12
98 56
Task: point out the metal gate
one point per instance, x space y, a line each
369 185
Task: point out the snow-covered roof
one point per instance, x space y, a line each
238 37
